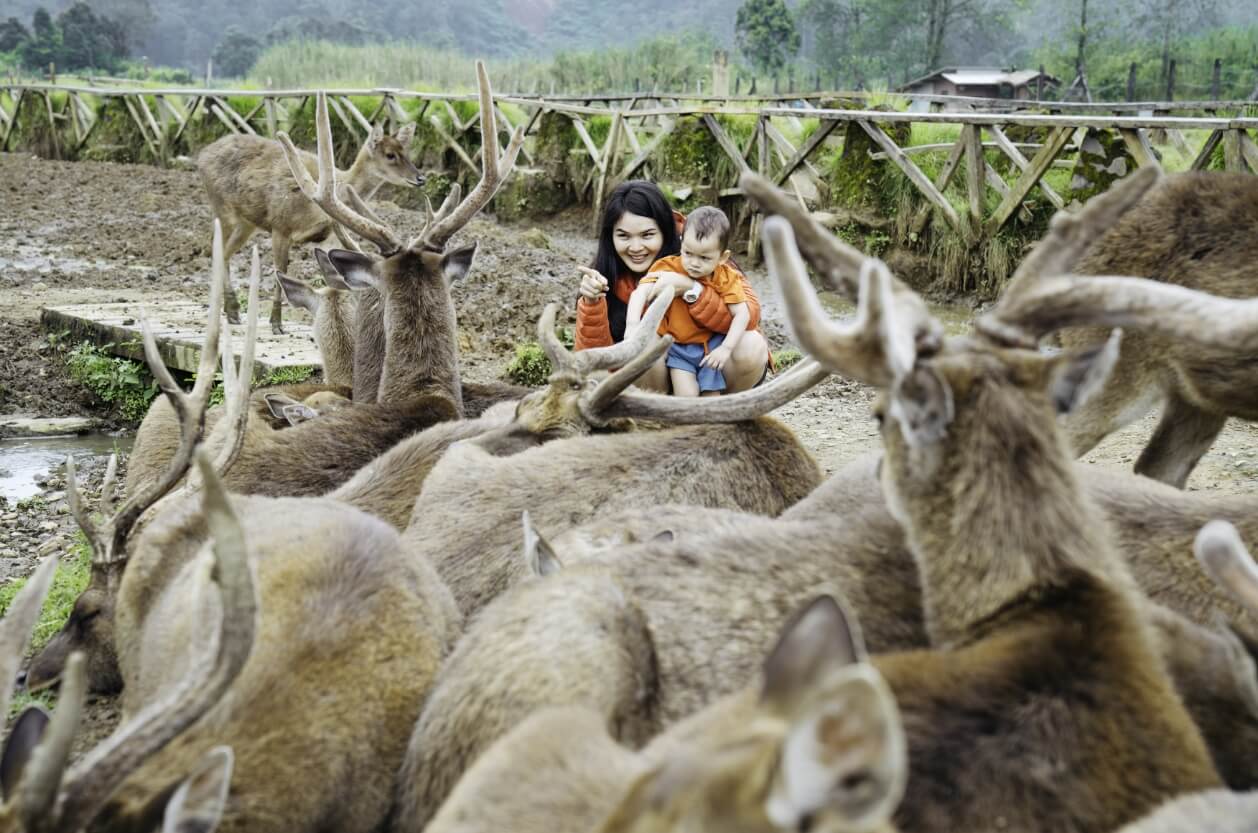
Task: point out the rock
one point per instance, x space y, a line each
40 286
18 426
536 238
48 526
53 544
52 497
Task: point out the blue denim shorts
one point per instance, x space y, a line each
687 357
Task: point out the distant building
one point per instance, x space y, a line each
981 82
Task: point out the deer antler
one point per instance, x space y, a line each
109 539
600 408
876 348
15 630
94 778
324 192
1220 550
495 166
583 362
838 264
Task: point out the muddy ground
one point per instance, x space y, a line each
90 232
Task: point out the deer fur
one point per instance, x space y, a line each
1196 230
559 770
332 309
250 187
466 517
341 600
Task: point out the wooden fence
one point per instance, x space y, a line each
781 146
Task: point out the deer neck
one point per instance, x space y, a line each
359 175
421 355
369 345
1001 521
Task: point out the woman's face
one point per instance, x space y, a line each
637 240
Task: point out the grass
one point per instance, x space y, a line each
123 383
71 579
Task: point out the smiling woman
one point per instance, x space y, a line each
638 228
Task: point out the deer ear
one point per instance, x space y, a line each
456 264
405 134
277 402
299 293
921 403
330 276
356 268
197 806
1073 377
538 554
377 133
299 413
28 730
816 641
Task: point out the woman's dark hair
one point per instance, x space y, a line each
637 196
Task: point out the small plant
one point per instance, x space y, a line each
285 376
530 365
786 357
123 383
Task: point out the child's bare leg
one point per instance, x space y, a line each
684 383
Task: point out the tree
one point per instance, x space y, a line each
766 33
12 33
88 41
236 53
43 47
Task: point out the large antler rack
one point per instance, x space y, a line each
325 192
52 799
108 539
495 167
837 264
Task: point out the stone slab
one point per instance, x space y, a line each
179 327
24 426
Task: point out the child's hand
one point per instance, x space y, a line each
718 358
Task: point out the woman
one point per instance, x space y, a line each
639 227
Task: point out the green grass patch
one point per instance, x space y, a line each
71 579
786 357
123 383
530 366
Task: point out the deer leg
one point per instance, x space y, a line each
1184 434
234 236
280 245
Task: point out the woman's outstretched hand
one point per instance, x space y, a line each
593 284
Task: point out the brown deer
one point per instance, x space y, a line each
419 383
1042 665
44 794
1224 555
825 744
333 310
1192 231
247 180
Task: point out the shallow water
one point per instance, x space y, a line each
956 319
24 459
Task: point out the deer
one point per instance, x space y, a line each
1192 231
419 384
44 793
840 538
1220 550
247 181
332 308
825 745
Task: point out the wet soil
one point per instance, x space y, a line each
92 232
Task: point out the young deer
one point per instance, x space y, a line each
1043 666
247 180
822 746
1192 231
333 311
43 793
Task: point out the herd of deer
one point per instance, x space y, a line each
346 616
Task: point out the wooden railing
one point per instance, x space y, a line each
640 124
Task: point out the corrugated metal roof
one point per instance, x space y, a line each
991 77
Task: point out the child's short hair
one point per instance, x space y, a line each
708 220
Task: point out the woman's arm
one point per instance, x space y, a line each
593 327
712 313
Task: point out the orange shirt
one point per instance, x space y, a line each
725 280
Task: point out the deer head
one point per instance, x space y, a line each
42 792
89 628
387 157
421 353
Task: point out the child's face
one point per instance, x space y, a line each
701 257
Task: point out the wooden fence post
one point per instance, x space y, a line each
1131 82
1217 79
1170 81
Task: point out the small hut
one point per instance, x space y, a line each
982 82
